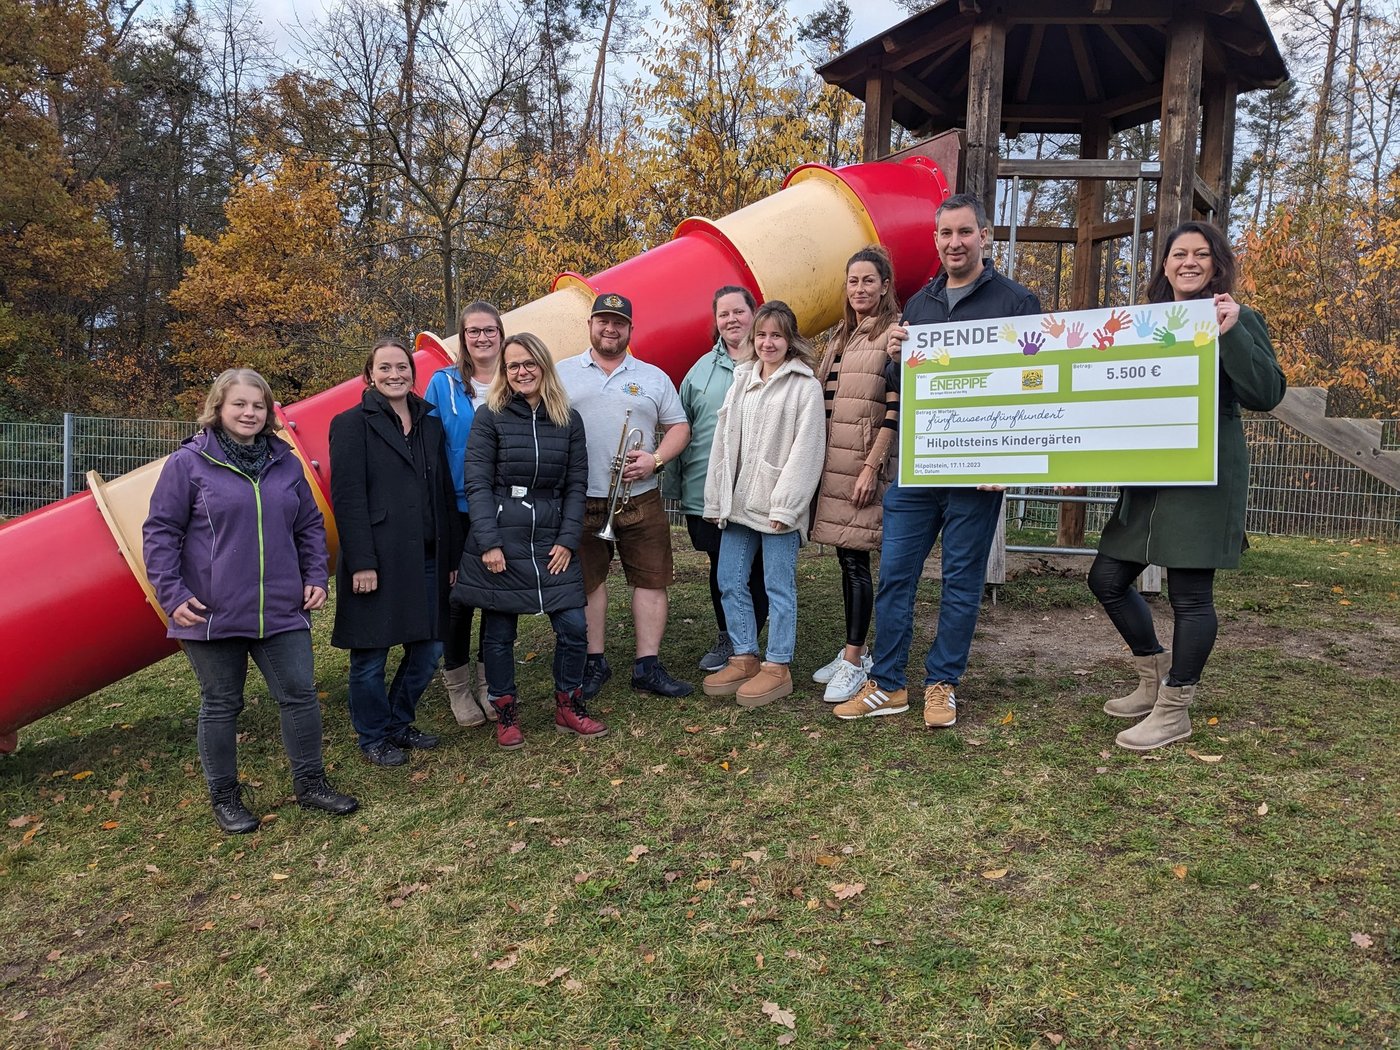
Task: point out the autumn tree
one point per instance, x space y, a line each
272 291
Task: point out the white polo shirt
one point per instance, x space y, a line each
603 400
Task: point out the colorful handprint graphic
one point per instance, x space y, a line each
1032 343
1052 325
1103 339
1074 335
1142 324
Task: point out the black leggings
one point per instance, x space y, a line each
1194 625
857 593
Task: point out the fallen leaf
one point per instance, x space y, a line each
28 836
83 775
21 820
20 1016
694 729
278 876
516 847
562 971
994 873
828 861
778 1015
649 958
1361 940
724 766
1339 590
345 1037
844 891
505 962
582 877
205 928
1054 1038
1008 718
57 953
758 961
1344 601
758 856
609 913
160 986
786 1038
616 782
572 985
108 825
1209 760
1263 808
1179 871
418 776
1212 721
704 884
638 851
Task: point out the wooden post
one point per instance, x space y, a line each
1181 123
879 109
985 77
1218 142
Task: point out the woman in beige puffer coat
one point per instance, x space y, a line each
862 406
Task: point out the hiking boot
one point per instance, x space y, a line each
658 680
414 739
508 734
940 705
1169 721
771 682
595 672
232 815
571 715
384 753
460 695
316 793
1151 670
871 701
845 683
739 670
719 653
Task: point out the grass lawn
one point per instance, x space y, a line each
712 877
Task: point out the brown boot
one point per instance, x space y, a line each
727 680
771 682
1169 721
459 694
1151 670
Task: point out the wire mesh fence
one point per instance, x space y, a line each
43 462
1297 487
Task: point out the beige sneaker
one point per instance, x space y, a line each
940 705
870 700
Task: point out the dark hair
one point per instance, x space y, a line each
720 293
1222 279
781 312
380 345
479 306
965 200
887 310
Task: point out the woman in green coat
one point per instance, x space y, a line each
1190 530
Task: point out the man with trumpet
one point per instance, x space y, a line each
625 403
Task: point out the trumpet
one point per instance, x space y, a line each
619 491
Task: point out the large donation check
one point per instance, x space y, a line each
1094 397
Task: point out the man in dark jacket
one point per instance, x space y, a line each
968 288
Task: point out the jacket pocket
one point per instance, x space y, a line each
758 500
377 515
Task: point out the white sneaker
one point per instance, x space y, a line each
824 673
845 683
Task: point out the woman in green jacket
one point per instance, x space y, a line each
1190 530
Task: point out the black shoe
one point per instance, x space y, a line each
317 793
718 656
414 739
230 812
384 754
595 673
659 681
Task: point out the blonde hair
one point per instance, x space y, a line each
214 403
556 401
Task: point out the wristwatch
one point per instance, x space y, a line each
660 463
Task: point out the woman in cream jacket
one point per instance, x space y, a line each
770 432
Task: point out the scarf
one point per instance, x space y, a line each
250 459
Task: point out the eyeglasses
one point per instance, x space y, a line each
477 333
522 366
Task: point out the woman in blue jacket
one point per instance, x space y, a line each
455 393
527 466
235 549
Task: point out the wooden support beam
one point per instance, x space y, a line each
1218 142
1093 148
1355 440
1077 12
1181 121
879 106
1028 64
921 96
1203 197
1129 52
1084 61
1084 168
1104 231
986 75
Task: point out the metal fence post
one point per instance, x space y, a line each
67 454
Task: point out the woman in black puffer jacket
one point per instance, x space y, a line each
527 469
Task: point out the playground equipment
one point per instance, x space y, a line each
79 613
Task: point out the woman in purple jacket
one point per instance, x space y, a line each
235 549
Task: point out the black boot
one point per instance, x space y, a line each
315 792
230 812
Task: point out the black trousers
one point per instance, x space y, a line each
1194 627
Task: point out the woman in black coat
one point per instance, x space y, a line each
391 488
527 468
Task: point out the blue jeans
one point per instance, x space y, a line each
737 548
913 518
498 650
378 713
221 666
